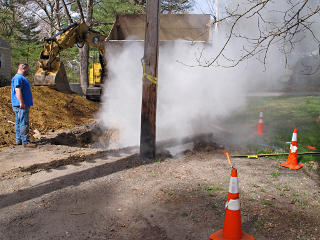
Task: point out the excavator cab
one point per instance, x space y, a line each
96 76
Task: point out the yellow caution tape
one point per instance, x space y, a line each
147 76
253 156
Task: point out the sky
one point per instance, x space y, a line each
201 6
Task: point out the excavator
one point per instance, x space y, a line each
51 71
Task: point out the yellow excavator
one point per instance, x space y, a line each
51 71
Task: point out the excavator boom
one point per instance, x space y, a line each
50 70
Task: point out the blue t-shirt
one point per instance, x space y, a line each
23 83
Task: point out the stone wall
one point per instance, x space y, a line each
5 66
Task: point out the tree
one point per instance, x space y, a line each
257 26
176 6
21 32
14 22
7 18
104 14
170 6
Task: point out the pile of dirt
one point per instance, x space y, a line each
52 110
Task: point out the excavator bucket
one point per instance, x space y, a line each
54 79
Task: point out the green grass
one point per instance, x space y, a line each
275 174
281 116
212 188
264 203
184 214
214 205
262 190
298 201
212 194
278 187
167 192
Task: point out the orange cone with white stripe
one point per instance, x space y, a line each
292 161
232 229
260 124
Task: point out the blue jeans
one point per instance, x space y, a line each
22 125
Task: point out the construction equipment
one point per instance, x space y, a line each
51 71
95 74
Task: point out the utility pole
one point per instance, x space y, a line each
150 76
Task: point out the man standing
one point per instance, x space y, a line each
21 100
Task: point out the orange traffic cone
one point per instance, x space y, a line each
292 161
260 124
232 229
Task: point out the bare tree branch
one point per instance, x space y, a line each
286 32
67 12
80 10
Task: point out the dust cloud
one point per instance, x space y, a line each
191 99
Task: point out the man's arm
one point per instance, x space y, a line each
19 96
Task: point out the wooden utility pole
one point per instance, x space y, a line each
150 76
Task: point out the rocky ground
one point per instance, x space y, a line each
85 192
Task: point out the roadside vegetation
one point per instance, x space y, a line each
281 116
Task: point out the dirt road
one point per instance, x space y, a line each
60 192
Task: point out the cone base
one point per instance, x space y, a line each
219 236
291 166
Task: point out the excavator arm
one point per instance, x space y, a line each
50 71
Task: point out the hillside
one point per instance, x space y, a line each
52 110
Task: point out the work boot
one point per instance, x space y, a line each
29 145
18 143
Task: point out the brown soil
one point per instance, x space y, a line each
65 190
52 110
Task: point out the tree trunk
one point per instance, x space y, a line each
89 12
57 13
84 51
84 63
